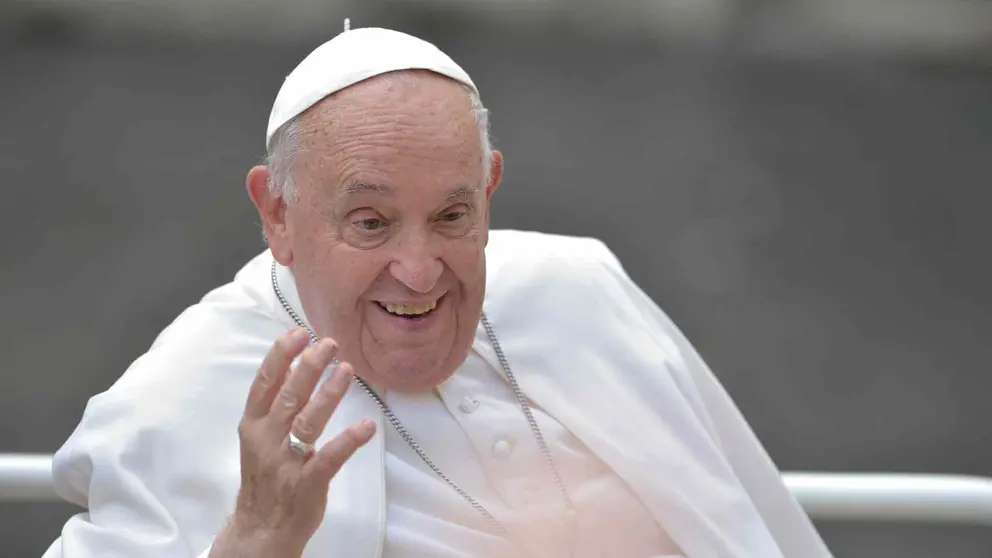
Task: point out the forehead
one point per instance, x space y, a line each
397 124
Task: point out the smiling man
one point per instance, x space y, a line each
391 379
391 180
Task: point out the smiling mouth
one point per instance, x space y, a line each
409 311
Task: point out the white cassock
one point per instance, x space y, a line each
654 453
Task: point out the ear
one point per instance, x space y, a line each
495 174
272 212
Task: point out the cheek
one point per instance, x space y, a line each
311 238
349 276
343 274
467 260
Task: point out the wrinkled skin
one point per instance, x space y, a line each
393 207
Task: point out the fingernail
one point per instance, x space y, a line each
298 335
366 428
326 347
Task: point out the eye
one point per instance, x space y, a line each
370 224
452 216
366 228
454 213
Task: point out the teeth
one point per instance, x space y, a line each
409 309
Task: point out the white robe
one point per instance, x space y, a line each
155 457
472 428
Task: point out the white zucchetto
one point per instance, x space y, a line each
353 56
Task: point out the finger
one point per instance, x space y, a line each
329 459
296 390
310 422
272 373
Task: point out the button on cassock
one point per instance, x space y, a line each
468 405
502 449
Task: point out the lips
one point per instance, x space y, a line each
409 320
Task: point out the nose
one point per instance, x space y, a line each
417 265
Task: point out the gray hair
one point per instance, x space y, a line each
285 146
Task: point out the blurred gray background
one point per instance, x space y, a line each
802 184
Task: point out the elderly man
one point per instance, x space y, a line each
390 379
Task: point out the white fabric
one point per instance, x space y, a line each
349 58
155 458
474 430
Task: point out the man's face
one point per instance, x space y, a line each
389 230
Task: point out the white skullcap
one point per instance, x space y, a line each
349 58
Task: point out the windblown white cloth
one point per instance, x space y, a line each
155 458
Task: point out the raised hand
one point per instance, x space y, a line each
284 478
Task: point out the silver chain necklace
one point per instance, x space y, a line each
402 431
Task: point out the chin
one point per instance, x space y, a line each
409 372
416 361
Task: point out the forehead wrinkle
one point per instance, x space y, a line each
361 127
400 102
337 136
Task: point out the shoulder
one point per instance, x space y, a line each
522 258
561 287
189 385
548 269
507 247
574 288
221 334
550 292
233 309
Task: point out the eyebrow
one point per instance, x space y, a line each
360 187
460 194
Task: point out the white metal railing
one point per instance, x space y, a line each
894 497
824 496
26 478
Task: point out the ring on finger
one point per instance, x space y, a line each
299 446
